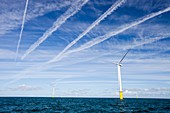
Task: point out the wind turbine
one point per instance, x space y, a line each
53 84
119 75
53 92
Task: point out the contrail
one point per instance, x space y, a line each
110 34
22 27
32 69
102 38
42 66
120 30
126 48
74 8
146 42
103 16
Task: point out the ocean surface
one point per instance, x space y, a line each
82 105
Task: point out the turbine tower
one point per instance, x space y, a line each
53 92
119 76
53 84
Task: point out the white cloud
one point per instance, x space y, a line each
148 92
24 87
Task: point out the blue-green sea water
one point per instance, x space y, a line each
82 105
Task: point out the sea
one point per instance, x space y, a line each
82 105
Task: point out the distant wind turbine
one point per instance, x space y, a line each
136 95
53 92
119 76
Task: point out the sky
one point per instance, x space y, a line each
85 68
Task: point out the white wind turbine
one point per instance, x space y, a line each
53 84
119 75
53 92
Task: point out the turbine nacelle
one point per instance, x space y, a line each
120 65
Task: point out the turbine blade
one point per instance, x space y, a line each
115 63
123 57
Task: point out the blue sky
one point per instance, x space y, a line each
88 72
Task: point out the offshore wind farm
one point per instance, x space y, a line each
72 51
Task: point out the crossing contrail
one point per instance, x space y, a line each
22 28
42 66
113 33
74 8
110 34
103 16
126 48
148 41
102 38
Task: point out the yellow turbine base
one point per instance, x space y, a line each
121 95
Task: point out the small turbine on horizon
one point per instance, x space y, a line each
53 92
53 84
119 76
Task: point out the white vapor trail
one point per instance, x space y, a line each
146 42
42 66
22 28
99 39
74 8
120 30
125 48
103 16
110 34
